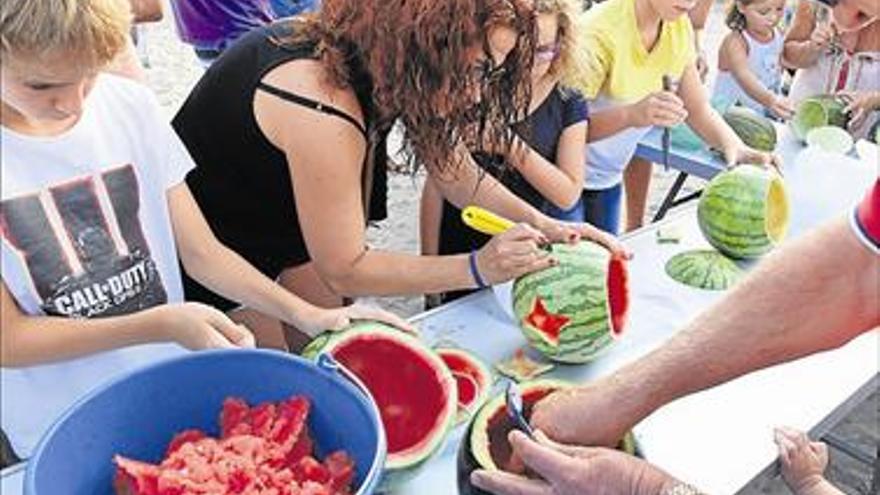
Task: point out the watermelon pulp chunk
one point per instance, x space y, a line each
411 395
617 282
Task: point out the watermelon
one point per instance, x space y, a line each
703 269
472 378
830 139
414 390
756 131
743 212
574 310
818 111
485 444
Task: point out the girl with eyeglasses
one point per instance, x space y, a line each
545 164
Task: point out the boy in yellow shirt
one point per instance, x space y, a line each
631 45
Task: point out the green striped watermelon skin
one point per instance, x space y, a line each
732 212
833 114
575 288
756 131
703 269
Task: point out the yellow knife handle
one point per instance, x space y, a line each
485 221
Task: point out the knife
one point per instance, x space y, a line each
485 221
666 139
489 223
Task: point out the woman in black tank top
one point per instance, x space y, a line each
288 131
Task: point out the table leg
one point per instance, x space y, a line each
669 201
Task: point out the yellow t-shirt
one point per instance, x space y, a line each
621 68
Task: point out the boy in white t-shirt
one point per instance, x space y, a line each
94 213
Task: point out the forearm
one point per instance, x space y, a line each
32 340
609 121
228 274
706 122
803 299
369 274
472 186
800 54
551 181
753 87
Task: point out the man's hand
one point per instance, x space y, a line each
566 470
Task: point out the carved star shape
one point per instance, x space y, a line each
547 323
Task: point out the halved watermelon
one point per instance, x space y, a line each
574 310
744 211
472 377
485 444
414 390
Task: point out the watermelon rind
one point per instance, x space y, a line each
576 288
830 139
703 269
756 131
818 111
484 379
743 212
399 468
473 452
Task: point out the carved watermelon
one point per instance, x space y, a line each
574 310
818 111
756 131
709 270
414 390
472 378
743 212
485 444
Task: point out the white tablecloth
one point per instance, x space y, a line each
721 438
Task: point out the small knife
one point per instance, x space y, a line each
485 221
666 139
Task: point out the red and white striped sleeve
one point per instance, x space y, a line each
866 219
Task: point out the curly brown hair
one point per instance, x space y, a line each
418 54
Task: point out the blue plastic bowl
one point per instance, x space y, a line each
138 414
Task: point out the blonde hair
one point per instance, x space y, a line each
568 66
93 31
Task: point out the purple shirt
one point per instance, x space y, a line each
215 24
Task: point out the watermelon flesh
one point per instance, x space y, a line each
262 449
406 387
547 325
618 294
414 391
472 379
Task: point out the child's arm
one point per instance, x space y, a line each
224 271
805 40
733 56
559 183
663 108
706 122
30 340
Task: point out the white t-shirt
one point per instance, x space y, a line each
86 232
607 158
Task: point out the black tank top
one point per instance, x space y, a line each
241 180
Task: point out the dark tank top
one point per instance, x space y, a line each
241 181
